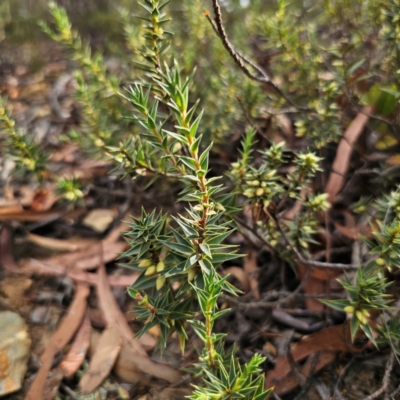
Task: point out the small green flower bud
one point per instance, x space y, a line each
150 270
160 266
249 193
160 282
177 147
254 183
361 317
380 261
145 263
366 313
259 192
191 274
99 143
220 207
303 244
269 174
349 309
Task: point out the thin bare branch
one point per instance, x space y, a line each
241 60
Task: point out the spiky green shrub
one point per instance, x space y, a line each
318 66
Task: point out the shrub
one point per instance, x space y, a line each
318 65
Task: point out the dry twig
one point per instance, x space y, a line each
241 60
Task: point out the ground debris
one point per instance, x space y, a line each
14 352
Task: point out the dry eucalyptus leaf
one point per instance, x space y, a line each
76 354
107 350
64 333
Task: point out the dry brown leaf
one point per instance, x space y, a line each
343 154
107 350
56 266
74 264
37 267
64 333
113 313
240 275
98 321
115 317
124 366
76 354
354 232
250 267
29 216
43 199
318 280
332 339
88 258
59 244
290 381
10 209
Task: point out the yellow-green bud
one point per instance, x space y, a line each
219 207
150 270
263 184
270 174
249 193
254 183
177 147
366 313
191 274
160 282
99 143
259 192
348 309
380 261
145 263
361 317
303 244
160 266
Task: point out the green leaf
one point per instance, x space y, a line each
195 125
203 160
144 282
205 265
189 162
178 248
205 249
354 324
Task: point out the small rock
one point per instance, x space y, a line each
14 352
99 220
